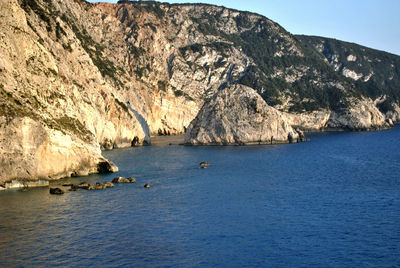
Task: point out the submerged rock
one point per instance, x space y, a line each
101 186
90 187
97 186
239 115
74 188
83 185
108 184
56 191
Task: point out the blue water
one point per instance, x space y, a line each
331 202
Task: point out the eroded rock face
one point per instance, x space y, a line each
31 151
363 115
56 110
394 114
238 115
313 121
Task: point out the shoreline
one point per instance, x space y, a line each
179 140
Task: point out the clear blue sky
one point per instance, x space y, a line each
372 23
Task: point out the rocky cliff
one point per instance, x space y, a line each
238 115
77 77
375 74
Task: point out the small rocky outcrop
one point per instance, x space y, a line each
57 191
97 186
89 187
146 185
239 115
123 180
205 164
108 184
83 185
74 188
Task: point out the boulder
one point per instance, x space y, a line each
97 186
147 185
108 184
123 180
74 188
83 185
56 191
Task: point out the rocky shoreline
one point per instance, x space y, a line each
23 184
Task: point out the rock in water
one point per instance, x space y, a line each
239 115
123 180
97 186
83 185
108 184
147 185
74 188
56 191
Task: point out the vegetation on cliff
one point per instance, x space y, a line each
377 73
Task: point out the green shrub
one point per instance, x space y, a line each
162 85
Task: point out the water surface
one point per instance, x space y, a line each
331 202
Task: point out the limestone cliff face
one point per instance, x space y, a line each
363 115
375 73
31 151
77 77
56 109
238 115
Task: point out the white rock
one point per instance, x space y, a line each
238 115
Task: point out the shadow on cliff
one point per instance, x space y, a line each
142 122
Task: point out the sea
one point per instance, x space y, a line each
331 202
